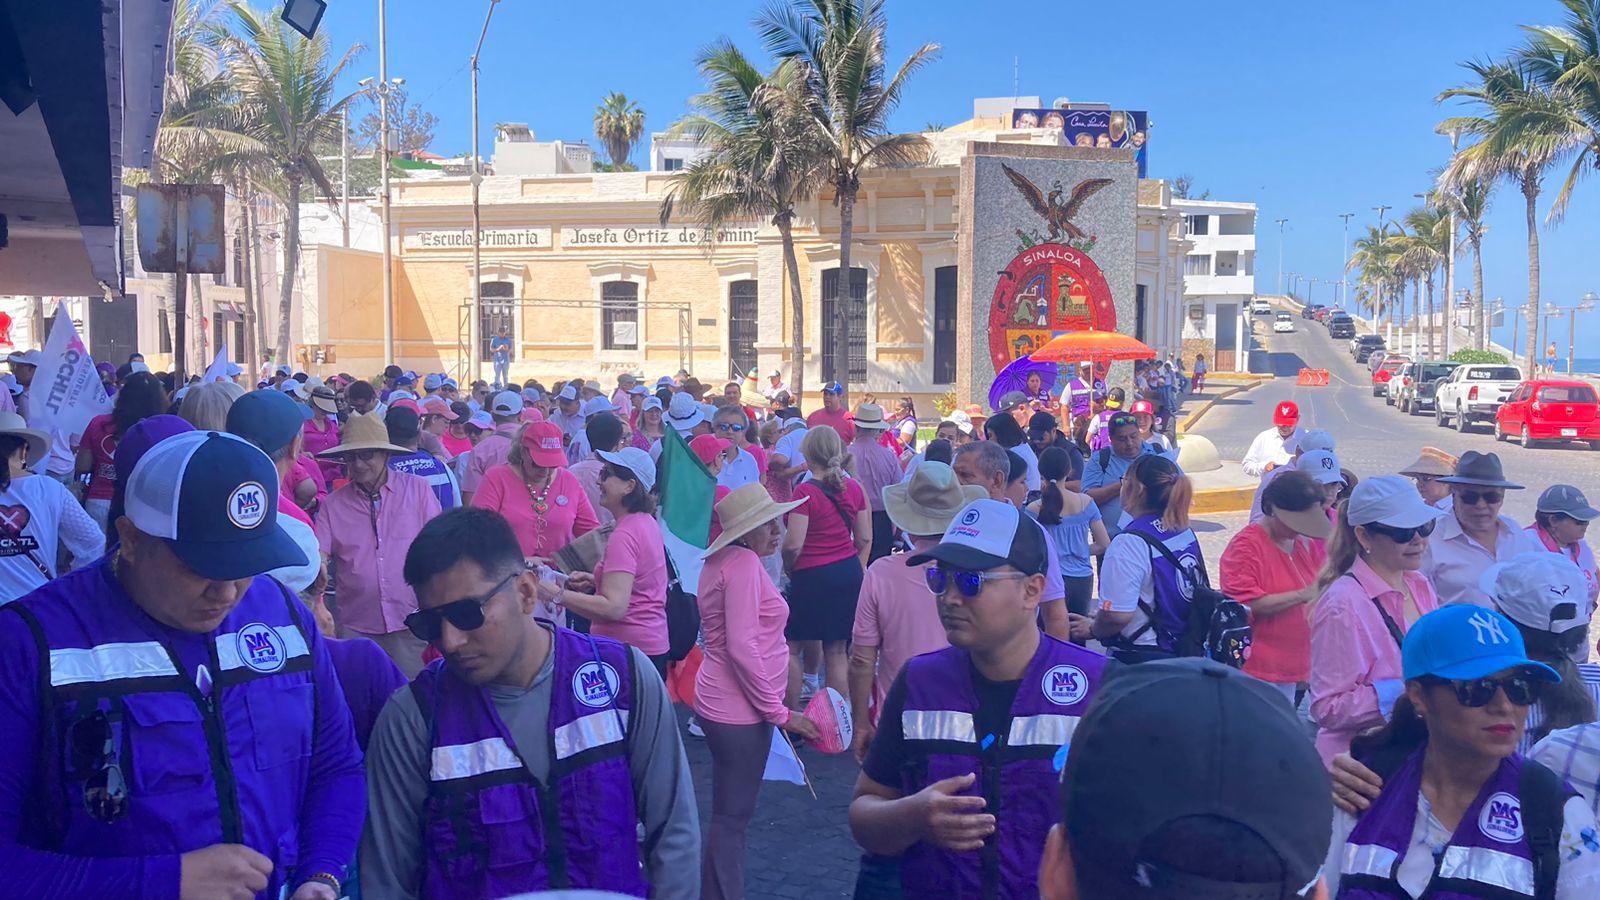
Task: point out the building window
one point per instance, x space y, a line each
1198 224
497 313
671 164
743 324
163 331
237 267
619 315
1138 312
1197 264
839 325
944 325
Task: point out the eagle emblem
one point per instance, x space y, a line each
1057 213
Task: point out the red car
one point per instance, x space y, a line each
1322 314
1550 411
1385 371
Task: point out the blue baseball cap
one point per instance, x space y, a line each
1461 642
268 419
214 499
833 387
406 378
433 382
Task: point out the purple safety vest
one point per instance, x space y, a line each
1173 590
227 765
1016 774
1100 430
1078 394
1488 856
491 829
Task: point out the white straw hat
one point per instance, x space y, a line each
745 509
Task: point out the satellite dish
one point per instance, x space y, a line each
1060 103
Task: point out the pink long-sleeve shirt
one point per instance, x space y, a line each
742 616
367 543
1355 662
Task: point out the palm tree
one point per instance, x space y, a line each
1426 248
1523 128
1376 255
618 125
287 101
762 160
1470 202
1566 57
848 98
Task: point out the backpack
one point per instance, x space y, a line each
1218 626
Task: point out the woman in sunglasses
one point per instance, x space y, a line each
1370 594
1460 812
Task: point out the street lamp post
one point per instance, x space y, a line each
1586 304
383 87
1450 258
1344 273
1389 327
1281 223
473 365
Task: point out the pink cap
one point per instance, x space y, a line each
530 414
708 447
407 404
542 440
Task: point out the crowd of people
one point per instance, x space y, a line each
401 638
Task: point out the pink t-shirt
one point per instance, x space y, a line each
323 437
842 420
897 614
100 439
635 547
306 469
742 617
1252 567
567 510
828 538
454 445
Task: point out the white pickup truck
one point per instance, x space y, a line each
1473 392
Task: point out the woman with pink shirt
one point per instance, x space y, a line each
322 432
739 690
1372 592
625 598
533 490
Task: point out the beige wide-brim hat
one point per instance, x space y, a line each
930 500
1433 461
1312 523
870 417
744 510
324 399
363 432
38 441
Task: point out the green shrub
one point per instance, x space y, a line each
1478 356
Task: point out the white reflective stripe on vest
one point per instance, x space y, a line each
110 662
1369 859
466 760
1485 866
937 725
588 732
294 644
1048 730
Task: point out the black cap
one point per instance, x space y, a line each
1041 423
987 534
1169 744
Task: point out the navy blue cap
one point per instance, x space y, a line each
268 419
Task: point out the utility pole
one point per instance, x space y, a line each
344 172
473 365
383 163
1281 223
1344 273
1450 261
1388 334
1587 304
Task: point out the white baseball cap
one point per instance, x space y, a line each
987 534
1540 590
651 403
1389 500
26 357
1322 466
1315 439
481 420
960 420
568 394
634 460
596 405
506 403
684 413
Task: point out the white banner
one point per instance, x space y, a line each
66 391
218 370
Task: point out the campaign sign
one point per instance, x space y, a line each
831 714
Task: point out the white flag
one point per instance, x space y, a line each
782 763
218 370
66 391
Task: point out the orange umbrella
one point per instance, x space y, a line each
1099 346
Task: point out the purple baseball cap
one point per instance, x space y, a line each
144 434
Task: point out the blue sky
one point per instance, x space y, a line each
1309 110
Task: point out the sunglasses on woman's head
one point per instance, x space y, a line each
465 614
970 584
1521 689
1401 535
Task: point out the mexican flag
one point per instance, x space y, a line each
687 492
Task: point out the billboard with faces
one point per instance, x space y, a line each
1104 128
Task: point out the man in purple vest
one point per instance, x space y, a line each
529 756
959 777
1188 779
170 723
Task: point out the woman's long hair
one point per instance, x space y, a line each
1157 486
826 456
1343 548
1404 732
1054 466
9 443
1568 703
141 396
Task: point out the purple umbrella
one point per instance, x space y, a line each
1014 377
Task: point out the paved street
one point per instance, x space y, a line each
1375 439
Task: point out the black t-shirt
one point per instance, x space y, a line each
886 756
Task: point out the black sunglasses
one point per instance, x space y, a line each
1471 498
1401 535
1521 689
94 748
465 614
970 584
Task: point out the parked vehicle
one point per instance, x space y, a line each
1376 358
1473 393
1283 323
1341 326
1321 314
1363 345
1309 311
1413 387
1385 371
1549 411
1261 308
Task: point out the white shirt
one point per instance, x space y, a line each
300 577
1126 581
1266 478
1025 451
1579 878
50 518
772 390
1454 561
571 426
739 471
1268 447
911 468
